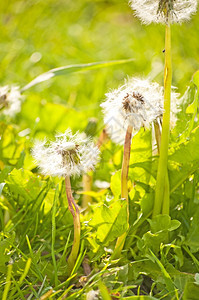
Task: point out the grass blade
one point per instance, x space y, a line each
71 69
54 233
8 282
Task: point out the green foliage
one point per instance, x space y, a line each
160 259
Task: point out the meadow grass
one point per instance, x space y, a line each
160 258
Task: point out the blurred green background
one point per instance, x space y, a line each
38 35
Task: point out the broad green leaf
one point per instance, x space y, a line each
191 291
25 185
116 184
185 160
163 222
11 145
110 221
191 108
189 150
71 69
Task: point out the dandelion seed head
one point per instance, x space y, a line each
163 11
92 295
68 155
10 100
137 103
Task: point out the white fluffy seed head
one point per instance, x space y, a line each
137 103
10 100
68 155
163 11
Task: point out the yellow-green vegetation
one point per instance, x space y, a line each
103 236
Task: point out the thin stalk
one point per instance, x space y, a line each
124 188
165 207
87 186
76 221
162 192
88 178
158 132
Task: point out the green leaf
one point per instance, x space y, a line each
185 160
168 280
25 184
116 184
110 221
192 239
191 291
73 68
163 222
196 78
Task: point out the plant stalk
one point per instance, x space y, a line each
124 187
76 221
88 178
165 207
87 186
162 186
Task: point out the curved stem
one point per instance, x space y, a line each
77 228
124 187
162 186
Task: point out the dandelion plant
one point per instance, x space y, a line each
70 155
136 104
166 12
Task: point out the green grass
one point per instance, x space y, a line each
160 259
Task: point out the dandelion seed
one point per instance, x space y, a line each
137 103
10 100
68 155
163 11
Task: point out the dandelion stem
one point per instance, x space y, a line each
76 220
124 187
157 127
162 186
88 178
165 208
87 186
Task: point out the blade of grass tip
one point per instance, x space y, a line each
71 69
170 285
64 253
8 282
26 270
104 291
54 294
54 233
